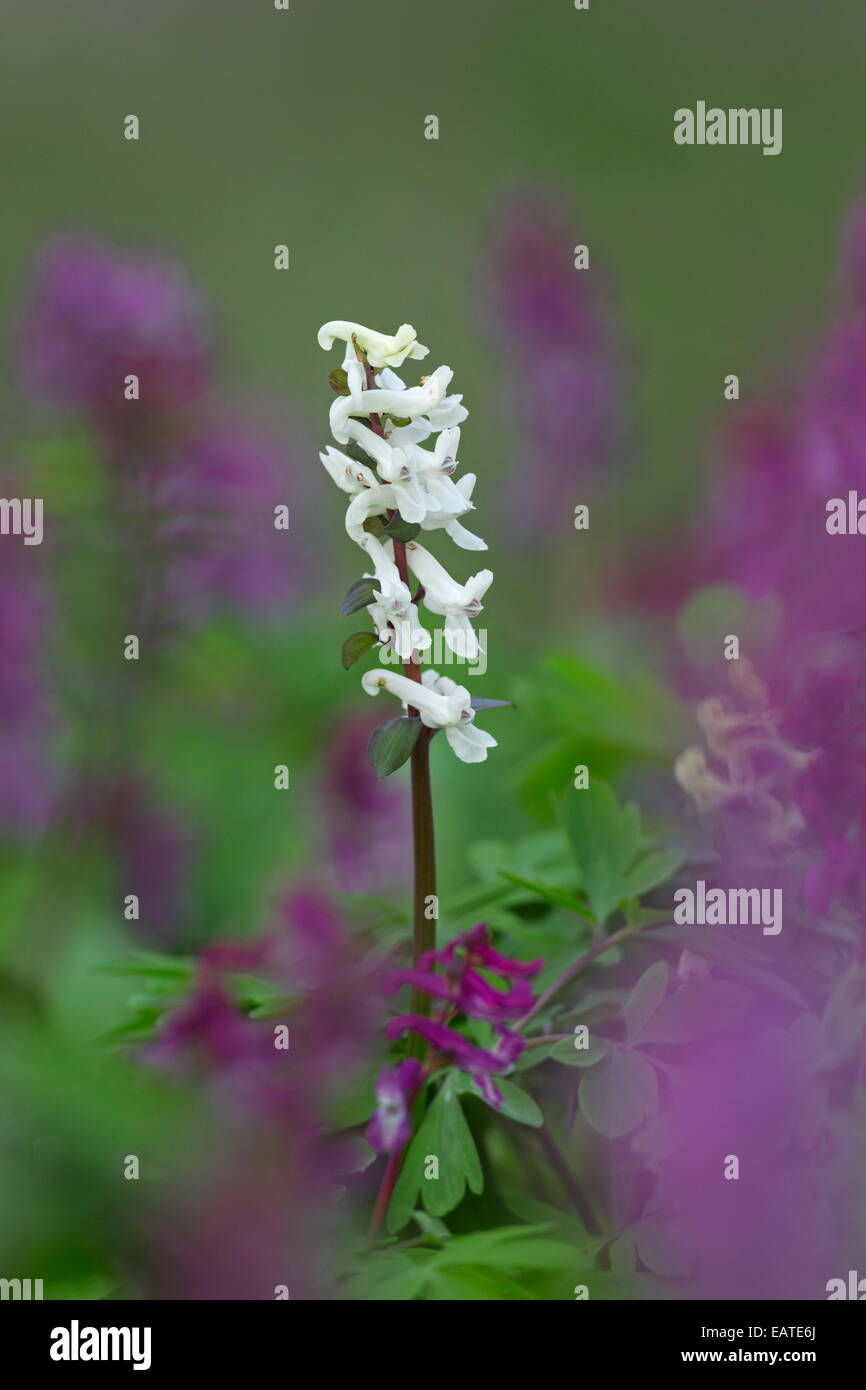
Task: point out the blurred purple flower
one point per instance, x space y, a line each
765 531
765 523
391 1125
331 1010
28 776
95 316
194 492
368 821
780 1229
556 325
153 854
210 500
265 1216
206 1030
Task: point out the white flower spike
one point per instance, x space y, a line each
384 422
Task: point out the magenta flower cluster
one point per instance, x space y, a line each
453 978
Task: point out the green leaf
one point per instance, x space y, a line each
645 998
390 1276
516 1103
374 526
698 1010
445 1135
431 1226
619 1093
150 965
604 841
551 892
339 381
568 1055
400 530
654 868
355 646
392 743
616 715
512 1249
474 1283
359 595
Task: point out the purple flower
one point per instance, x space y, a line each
478 1061
462 989
367 820
391 1124
153 851
210 500
29 779
557 328
477 950
469 993
764 528
96 315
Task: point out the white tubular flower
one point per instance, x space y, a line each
410 401
457 603
446 415
349 476
434 468
356 377
468 742
374 501
394 615
382 349
442 704
393 465
447 520
437 710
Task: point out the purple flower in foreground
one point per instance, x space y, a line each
391 1124
95 316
